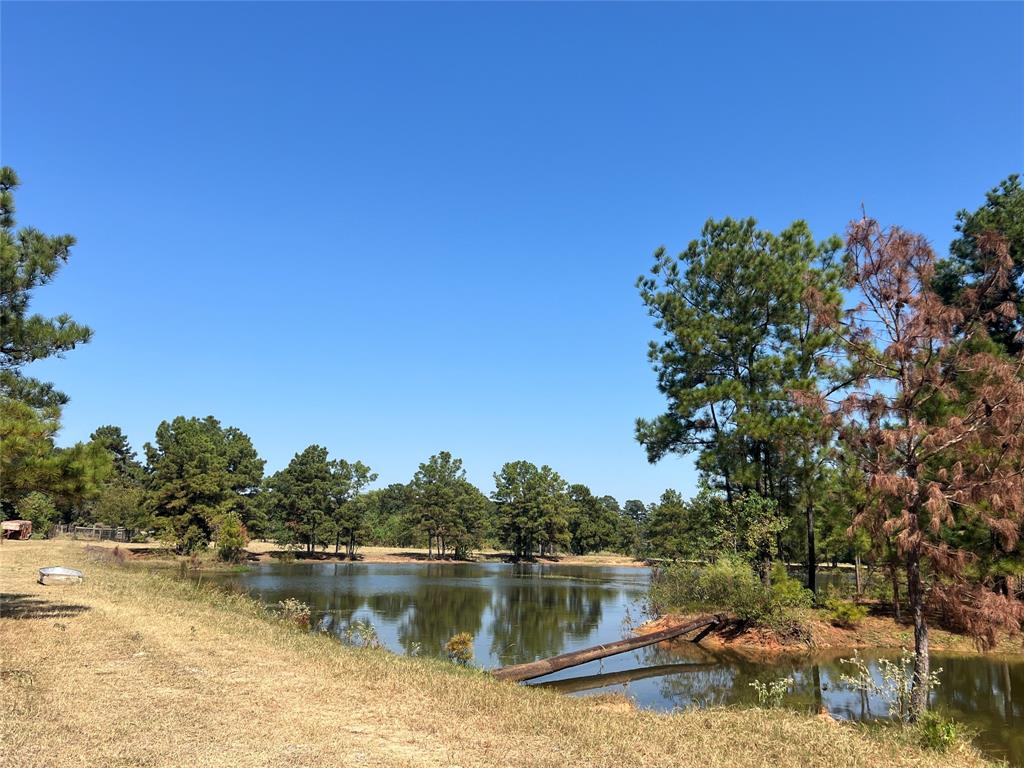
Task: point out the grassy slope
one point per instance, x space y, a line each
133 669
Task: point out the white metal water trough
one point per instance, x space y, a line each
58 574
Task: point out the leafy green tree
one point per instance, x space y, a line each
30 462
314 500
30 409
199 472
593 521
121 499
632 528
30 259
115 443
349 504
40 509
121 504
669 533
532 508
1002 216
386 521
301 499
708 526
740 312
231 538
445 507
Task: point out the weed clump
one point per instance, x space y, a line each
294 611
460 648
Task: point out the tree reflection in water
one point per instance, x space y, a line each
533 618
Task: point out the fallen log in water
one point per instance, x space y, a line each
593 682
532 669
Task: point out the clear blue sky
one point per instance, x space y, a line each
398 229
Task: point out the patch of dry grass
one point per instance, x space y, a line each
134 668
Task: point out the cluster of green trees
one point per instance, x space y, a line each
202 483
860 398
317 502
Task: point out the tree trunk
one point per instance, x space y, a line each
812 553
1007 693
894 574
915 594
856 571
819 704
541 667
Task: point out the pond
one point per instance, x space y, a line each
519 613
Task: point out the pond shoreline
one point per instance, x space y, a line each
166 656
874 632
270 552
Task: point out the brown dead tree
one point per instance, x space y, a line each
935 417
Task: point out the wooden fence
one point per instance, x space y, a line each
94 532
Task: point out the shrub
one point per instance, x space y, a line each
361 634
39 508
897 679
730 584
787 591
727 584
191 542
940 734
770 694
460 648
231 538
845 613
294 612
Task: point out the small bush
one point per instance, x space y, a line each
940 734
294 612
730 584
460 648
845 613
895 686
361 634
231 539
770 694
787 591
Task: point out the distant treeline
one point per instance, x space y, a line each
199 478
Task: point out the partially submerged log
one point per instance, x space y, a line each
541 667
593 682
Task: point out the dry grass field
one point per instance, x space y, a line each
134 668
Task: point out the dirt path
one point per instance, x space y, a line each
137 669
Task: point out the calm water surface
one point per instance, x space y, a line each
519 613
